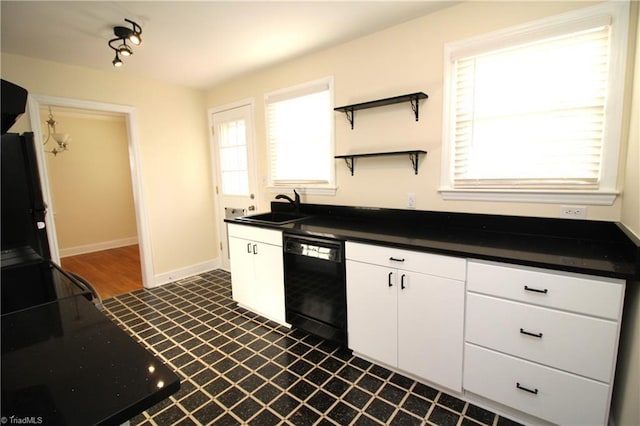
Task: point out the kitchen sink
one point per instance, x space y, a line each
278 218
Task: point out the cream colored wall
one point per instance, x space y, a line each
631 196
91 182
626 401
174 146
402 59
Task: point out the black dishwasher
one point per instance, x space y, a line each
315 286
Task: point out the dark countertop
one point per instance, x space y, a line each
589 247
29 280
65 362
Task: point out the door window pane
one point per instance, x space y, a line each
234 172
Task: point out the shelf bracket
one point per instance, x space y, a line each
349 112
414 161
350 163
415 106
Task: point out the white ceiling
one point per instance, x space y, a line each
195 44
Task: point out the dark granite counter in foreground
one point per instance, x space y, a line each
66 363
589 247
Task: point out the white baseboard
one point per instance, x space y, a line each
179 274
104 245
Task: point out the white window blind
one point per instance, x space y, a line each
299 131
536 108
533 114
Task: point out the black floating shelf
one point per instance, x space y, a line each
414 98
413 155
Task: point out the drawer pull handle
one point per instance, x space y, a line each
390 273
533 391
402 281
396 259
255 249
528 333
527 288
249 248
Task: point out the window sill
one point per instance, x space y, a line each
304 191
597 198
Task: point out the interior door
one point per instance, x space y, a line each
234 163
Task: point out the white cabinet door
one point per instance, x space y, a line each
257 273
242 271
430 328
269 282
372 311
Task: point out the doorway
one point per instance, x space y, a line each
93 209
233 159
36 102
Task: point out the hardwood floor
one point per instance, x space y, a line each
111 272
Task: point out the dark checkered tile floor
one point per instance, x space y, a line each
239 368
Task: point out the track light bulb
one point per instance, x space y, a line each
125 50
116 61
136 32
135 38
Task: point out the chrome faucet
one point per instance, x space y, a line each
295 203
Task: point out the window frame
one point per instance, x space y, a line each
304 187
607 191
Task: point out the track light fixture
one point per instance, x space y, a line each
124 34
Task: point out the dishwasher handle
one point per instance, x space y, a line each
330 251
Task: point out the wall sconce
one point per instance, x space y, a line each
124 34
62 139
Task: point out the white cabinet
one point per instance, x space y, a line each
257 275
372 311
405 309
542 342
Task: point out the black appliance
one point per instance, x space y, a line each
14 100
23 209
315 286
28 277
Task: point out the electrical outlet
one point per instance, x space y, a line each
411 201
573 212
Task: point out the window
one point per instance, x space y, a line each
537 110
300 135
233 158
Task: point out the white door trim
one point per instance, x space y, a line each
144 240
252 161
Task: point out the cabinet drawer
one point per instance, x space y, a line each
585 294
426 263
255 234
575 343
561 397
